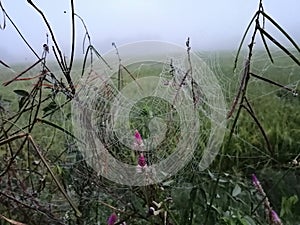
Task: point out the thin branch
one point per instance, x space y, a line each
273 83
14 222
57 127
19 32
120 77
65 69
2 27
62 190
4 64
12 138
266 46
243 39
73 36
193 83
182 83
48 26
280 46
131 75
241 87
92 48
32 120
25 71
281 30
12 158
86 32
259 126
29 207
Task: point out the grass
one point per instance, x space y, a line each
277 110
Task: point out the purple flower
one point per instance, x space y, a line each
112 219
275 218
138 138
255 181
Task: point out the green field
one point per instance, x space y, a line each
221 194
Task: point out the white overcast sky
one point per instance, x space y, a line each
211 24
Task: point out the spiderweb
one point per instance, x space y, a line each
272 105
148 104
175 112
114 116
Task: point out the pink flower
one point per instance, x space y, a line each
142 163
138 138
112 219
142 160
275 218
255 181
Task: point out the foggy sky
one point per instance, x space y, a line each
211 24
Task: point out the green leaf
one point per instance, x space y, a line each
236 191
247 220
22 93
59 170
22 101
51 106
287 204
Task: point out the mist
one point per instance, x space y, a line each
211 25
